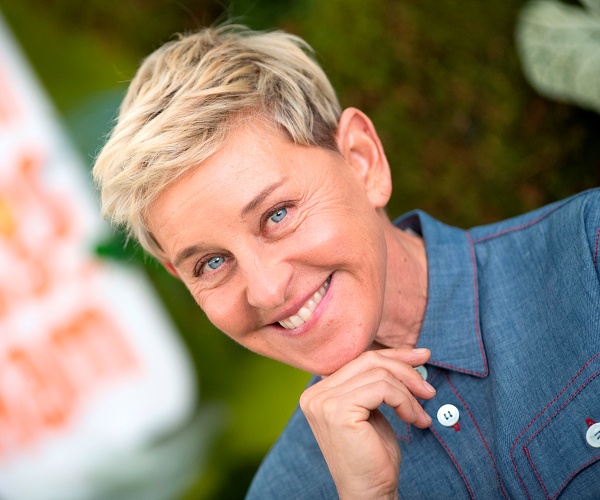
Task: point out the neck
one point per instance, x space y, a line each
405 297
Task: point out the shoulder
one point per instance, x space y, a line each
571 225
582 208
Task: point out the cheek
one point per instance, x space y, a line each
346 240
226 310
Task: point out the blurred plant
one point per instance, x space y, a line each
559 46
158 470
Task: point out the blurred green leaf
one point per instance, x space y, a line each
117 247
559 46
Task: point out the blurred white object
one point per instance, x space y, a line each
559 47
92 374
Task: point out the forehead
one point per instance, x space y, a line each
254 157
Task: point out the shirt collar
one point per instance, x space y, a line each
451 328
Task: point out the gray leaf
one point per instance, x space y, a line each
559 46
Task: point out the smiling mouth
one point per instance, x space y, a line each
307 310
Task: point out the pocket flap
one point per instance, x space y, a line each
561 439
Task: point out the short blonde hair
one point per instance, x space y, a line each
185 98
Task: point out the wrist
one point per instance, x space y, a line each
371 495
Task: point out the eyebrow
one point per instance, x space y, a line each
187 252
259 198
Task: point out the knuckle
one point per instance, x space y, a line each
373 357
382 386
380 373
314 402
305 399
330 406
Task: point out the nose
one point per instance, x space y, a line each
268 277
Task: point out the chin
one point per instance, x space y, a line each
329 363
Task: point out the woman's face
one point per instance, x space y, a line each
280 246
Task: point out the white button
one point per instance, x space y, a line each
422 371
448 415
593 435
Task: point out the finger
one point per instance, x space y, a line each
406 406
418 361
370 396
412 357
350 395
382 357
369 376
388 361
397 396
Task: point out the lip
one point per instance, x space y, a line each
293 309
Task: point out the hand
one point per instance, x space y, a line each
357 441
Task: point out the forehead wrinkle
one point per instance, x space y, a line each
167 211
260 197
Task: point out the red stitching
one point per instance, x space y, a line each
433 375
547 421
455 462
562 486
579 389
479 432
475 288
402 438
458 369
535 471
511 453
535 221
479 337
518 228
596 252
557 396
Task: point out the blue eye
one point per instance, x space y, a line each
205 266
215 262
278 215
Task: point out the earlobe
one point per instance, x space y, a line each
360 145
170 269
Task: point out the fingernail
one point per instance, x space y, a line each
420 350
428 386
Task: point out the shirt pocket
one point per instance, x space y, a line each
552 452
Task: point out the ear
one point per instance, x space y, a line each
170 268
359 143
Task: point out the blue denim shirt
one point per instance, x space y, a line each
513 324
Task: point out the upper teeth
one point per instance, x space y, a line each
307 310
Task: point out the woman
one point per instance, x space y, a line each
232 164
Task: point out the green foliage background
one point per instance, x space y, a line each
468 141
